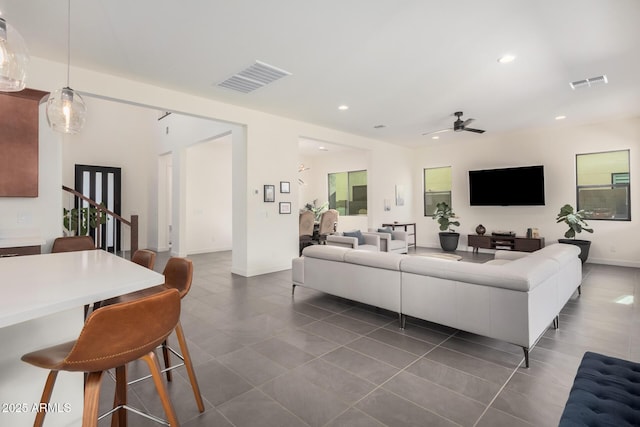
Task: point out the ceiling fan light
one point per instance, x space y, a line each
14 59
66 111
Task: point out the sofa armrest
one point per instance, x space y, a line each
371 239
343 241
383 237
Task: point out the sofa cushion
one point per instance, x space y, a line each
605 392
357 234
328 252
388 261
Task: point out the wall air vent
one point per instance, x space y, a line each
254 77
598 80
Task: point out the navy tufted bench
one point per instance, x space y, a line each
605 392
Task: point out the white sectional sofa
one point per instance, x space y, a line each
513 298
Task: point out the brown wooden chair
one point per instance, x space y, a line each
145 258
178 274
112 337
73 244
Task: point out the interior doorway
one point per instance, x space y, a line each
102 184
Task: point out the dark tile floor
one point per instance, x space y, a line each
264 358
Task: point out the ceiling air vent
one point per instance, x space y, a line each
254 77
578 84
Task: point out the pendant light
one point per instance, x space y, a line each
14 59
66 111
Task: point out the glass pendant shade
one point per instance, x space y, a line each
66 111
14 59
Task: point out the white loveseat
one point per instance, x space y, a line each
371 242
513 298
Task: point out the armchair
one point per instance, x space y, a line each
394 241
368 241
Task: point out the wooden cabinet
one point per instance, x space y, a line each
19 251
19 143
509 243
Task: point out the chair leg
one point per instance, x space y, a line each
119 418
187 362
167 360
46 397
152 362
91 399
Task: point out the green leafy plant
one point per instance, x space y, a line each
443 215
317 210
574 220
81 220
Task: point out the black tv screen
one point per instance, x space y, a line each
522 186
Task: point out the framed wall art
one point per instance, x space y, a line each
269 193
285 187
285 207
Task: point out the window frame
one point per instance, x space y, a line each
611 185
349 192
425 192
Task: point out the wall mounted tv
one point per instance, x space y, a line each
521 186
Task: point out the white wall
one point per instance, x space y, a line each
116 135
266 152
555 148
209 201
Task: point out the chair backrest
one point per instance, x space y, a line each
328 221
120 333
178 274
307 218
73 244
145 258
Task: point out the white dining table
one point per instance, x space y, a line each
42 299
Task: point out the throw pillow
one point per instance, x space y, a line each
357 234
386 230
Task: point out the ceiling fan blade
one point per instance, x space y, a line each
468 121
474 130
437 131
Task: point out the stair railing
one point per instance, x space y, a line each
103 211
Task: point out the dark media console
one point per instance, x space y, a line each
505 242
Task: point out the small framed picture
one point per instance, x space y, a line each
269 193
285 187
285 207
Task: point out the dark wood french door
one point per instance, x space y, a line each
102 184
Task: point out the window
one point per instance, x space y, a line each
437 188
348 192
603 185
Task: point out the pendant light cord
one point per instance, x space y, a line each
68 39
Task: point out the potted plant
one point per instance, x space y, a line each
78 221
576 223
448 236
317 210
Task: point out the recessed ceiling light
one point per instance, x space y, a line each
505 59
322 148
343 107
561 117
435 137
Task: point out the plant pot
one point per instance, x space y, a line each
584 246
449 241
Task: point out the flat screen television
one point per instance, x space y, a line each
521 186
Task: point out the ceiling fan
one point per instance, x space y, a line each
458 126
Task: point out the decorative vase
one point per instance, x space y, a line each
481 230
